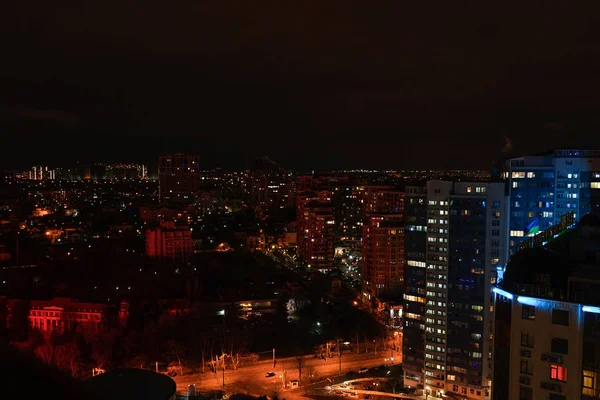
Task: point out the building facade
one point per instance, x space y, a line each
547 322
382 255
467 233
178 178
268 187
315 230
545 187
61 315
169 241
415 245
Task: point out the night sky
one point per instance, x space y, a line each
317 84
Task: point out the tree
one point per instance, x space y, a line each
102 350
176 351
300 363
66 357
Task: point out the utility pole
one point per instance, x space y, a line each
273 357
339 355
157 366
223 370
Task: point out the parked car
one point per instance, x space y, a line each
363 370
270 374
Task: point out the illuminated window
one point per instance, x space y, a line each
558 372
518 175
595 185
469 189
589 380
531 174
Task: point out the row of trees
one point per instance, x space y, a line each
178 344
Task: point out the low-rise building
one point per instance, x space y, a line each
60 315
169 241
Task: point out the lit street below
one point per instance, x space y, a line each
251 379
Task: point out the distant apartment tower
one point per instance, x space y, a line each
547 318
268 187
315 229
415 245
169 241
39 173
382 242
383 255
126 171
346 195
178 178
466 241
545 187
382 199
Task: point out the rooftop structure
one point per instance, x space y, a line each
547 322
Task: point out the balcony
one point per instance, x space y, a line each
552 358
541 292
554 387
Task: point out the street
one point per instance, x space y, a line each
251 379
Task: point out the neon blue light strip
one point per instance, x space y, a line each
590 309
527 300
502 293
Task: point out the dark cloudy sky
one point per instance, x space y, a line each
312 84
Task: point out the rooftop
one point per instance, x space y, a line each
551 270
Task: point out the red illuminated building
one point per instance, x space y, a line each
61 315
383 255
169 241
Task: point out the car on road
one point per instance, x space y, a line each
350 373
270 374
363 370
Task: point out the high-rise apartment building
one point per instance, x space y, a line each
345 193
465 241
315 229
547 317
545 187
267 186
415 245
41 172
382 199
178 178
382 255
382 243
